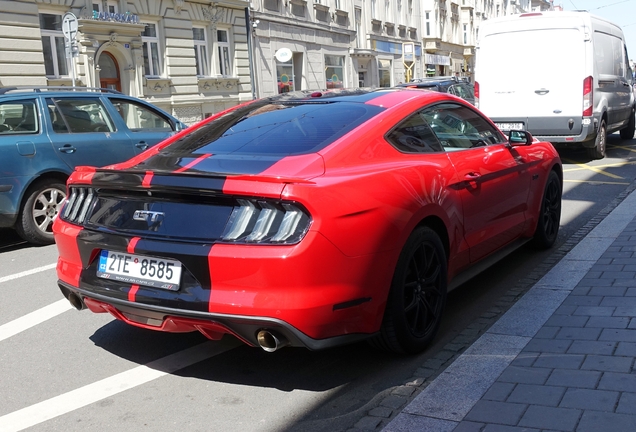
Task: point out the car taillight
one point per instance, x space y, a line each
77 204
476 91
588 100
266 222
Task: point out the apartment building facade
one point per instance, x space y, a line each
187 57
197 57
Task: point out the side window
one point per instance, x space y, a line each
414 135
458 127
139 117
78 116
18 117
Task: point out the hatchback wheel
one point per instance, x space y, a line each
417 297
42 205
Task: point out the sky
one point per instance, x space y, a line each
621 12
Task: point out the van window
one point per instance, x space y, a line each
608 54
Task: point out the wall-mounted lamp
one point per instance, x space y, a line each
255 23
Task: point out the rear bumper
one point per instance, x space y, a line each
587 131
311 292
211 325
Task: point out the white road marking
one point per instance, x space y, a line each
34 318
91 393
27 272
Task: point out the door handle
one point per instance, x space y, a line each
67 148
141 145
472 176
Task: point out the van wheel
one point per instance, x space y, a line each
44 200
550 214
417 297
598 151
628 132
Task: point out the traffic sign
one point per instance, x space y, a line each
69 26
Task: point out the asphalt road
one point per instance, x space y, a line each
64 370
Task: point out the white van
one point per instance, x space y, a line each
563 76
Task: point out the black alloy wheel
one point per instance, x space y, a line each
417 297
550 214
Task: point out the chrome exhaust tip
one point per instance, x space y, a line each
76 301
269 341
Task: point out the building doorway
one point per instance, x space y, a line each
109 72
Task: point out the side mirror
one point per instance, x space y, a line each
519 137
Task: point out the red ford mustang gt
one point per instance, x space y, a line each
307 219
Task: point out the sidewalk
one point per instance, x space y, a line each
561 359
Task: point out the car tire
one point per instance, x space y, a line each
417 296
627 133
43 202
550 213
598 151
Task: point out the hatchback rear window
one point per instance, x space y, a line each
276 128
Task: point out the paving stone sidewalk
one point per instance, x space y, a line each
560 359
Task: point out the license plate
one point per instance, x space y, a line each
509 126
138 269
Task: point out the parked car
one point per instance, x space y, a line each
585 93
444 84
45 132
307 219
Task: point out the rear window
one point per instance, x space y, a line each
275 128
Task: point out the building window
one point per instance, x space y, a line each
337 4
384 73
387 11
55 62
465 34
374 9
284 75
152 66
200 51
223 48
334 71
427 19
109 6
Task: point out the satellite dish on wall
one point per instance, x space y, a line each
283 55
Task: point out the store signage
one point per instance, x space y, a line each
117 17
437 59
283 55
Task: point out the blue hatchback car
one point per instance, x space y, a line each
46 132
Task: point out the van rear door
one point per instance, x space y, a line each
542 84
